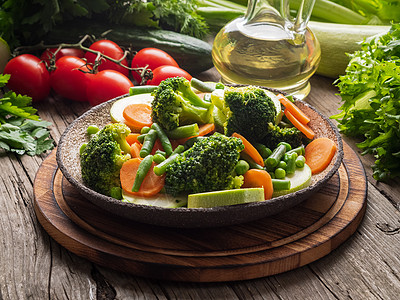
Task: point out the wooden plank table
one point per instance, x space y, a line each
34 266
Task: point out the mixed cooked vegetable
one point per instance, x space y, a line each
178 149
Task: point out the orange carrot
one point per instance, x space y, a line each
151 185
250 150
255 178
135 149
132 138
203 130
304 128
294 110
319 154
137 115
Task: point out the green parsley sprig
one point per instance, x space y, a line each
21 130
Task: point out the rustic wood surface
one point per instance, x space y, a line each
34 266
267 246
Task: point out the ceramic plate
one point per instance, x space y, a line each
68 162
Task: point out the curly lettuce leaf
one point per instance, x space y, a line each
370 92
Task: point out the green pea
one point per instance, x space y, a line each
220 86
92 129
282 164
280 173
300 161
242 167
82 148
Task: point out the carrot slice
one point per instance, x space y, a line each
203 130
254 178
294 110
319 154
135 149
132 138
304 128
137 115
151 185
250 150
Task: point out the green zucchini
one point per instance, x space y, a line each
192 54
338 39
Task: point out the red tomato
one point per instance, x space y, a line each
164 72
153 58
106 85
67 80
112 50
29 76
48 53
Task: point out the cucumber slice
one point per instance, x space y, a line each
300 179
118 107
160 200
225 197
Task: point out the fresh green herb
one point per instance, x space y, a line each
370 92
21 130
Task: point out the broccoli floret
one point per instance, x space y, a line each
253 112
103 157
207 166
277 134
175 104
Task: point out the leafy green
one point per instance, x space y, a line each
370 91
21 130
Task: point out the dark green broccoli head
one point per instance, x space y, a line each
103 157
248 111
175 104
277 134
207 166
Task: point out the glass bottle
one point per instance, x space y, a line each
268 47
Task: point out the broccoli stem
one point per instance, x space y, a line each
184 131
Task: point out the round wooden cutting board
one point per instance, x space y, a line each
261 248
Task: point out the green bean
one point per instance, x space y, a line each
148 143
299 150
141 137
241 167
142 171
162 167
264 151
250 161
300 161
184 131
178 149
92 129
82 148
158 151
141 89
158 158
280 173
116 192
274 159
287 145
280 184
291 163
201 85
165 142
272 174
145 129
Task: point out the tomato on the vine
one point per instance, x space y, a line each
106 85
47 55
164 72
111 49
70 77
152 58
29 76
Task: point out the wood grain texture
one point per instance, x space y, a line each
265 247
34 266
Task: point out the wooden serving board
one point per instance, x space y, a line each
261 248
